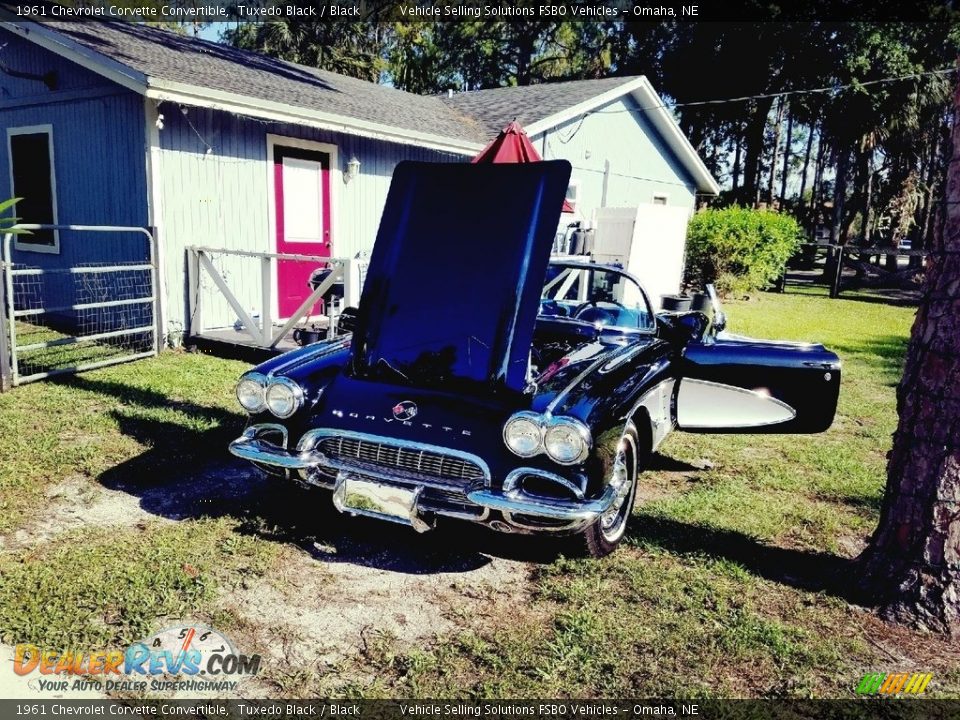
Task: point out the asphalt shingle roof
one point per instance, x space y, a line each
168 56
474 117
493 109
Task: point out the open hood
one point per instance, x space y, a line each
454 282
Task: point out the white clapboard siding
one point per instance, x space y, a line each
220 198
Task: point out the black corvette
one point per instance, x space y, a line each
484 383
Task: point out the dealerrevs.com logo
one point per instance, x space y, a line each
893 683
185 658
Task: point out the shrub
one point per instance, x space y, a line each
738 249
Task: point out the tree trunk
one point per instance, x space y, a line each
775 151
736 161
806 163
867 181
818 174
787 147
839 200
911 569
753 139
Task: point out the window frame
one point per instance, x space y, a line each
22 242
660 196
573 184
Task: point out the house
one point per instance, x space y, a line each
125 124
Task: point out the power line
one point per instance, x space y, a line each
764 96
810 91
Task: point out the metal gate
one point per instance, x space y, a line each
97 308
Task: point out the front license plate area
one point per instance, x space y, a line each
364 496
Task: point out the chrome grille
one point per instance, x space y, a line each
422 462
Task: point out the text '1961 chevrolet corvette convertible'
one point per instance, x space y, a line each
484 383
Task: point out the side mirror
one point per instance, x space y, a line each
719 317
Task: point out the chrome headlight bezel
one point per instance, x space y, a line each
296 395
260 381
574 429
533 419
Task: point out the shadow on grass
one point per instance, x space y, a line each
189 474
804 570
665 463
883 352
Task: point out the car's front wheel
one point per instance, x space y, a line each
603 537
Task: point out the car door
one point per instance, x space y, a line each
731 384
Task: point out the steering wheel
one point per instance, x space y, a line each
601 311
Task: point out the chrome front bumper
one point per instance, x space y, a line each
521 511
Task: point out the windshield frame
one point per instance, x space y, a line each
582 265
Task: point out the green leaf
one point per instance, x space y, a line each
8 204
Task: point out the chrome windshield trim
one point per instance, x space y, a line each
312 437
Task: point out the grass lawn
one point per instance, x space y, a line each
719 589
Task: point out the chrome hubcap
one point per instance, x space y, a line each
614 520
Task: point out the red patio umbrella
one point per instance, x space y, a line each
513 146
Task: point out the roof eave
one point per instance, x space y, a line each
196 96
167 91
652 105
75 52
663 121
586 106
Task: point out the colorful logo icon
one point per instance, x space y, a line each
893 683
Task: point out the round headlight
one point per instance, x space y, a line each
284 397
250 393
523 435
566 441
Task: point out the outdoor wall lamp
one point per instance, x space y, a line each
353 169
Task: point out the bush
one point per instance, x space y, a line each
738 249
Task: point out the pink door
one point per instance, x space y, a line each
301 181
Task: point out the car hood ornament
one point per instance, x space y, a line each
455 276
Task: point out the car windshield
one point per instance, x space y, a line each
598 295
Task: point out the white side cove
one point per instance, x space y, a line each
707 405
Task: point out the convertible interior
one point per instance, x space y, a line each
581 304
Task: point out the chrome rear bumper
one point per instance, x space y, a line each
521 511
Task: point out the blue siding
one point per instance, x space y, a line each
99 159
641 164
98 146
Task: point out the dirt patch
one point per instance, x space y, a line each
365 588
215 489
342 589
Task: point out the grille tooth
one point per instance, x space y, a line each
424 462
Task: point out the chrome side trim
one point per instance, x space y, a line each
661 419
705 405
312 437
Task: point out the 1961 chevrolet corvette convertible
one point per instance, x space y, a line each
484 383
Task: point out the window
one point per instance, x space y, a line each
573 194
30 152
659 199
